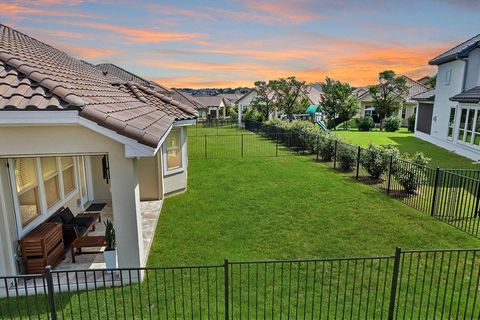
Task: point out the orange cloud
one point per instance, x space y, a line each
290 10
137 34
15 11
90 53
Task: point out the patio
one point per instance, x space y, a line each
150 211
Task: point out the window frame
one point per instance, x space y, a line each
466 129
182 148
45 211
451 125
57 176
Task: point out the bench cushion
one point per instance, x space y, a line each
67 216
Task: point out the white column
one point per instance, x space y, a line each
127 215
240 110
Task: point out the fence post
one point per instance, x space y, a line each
393 292
242 145
435 187
227 298
205 146
476 213
335 155
318 145
389 174
276 142
358 161
50 293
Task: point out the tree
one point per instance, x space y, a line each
339 104
287 95
432 81
263 100
388 95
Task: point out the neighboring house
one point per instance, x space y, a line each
312 93
187 99
425 81
409 106
72 135
244 102
212 108
452 121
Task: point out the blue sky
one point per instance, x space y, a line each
232 43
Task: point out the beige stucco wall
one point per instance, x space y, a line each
74 139
101 190
148 169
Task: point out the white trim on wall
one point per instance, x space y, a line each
133 148
183 151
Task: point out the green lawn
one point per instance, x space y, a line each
406 142
287 207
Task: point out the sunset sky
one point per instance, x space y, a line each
233 43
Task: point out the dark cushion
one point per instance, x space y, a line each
82 221
67 216
80 230
56 219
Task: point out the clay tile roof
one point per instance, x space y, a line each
208 101
456 52
116 71
173 108
34 75
425 96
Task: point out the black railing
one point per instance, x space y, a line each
450 195
428 284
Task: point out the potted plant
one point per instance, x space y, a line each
110 253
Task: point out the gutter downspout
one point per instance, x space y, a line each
464 80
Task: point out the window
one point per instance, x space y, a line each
174 150
50 180
27 189
448 77
469 128
404 112
461 128
68 173
451 122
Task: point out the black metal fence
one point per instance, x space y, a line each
215 127
428 284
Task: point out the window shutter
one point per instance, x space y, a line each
67 162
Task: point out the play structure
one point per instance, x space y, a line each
314 112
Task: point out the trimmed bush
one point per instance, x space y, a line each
410 171
347 157
392 124
252 114
327 148
366 124
411 123
375 160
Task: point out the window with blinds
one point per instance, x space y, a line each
174 152
50 180
27 189
68 173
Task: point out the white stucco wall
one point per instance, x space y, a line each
177 181
473 70
443 92
243 104
71 140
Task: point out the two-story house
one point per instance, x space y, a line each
449 115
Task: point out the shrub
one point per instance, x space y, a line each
409 171
252 114
347 157
365 124
392 124
411 123
327 148
375 160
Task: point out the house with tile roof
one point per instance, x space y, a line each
408 108
449 115
73 134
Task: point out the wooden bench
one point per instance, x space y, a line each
41 247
